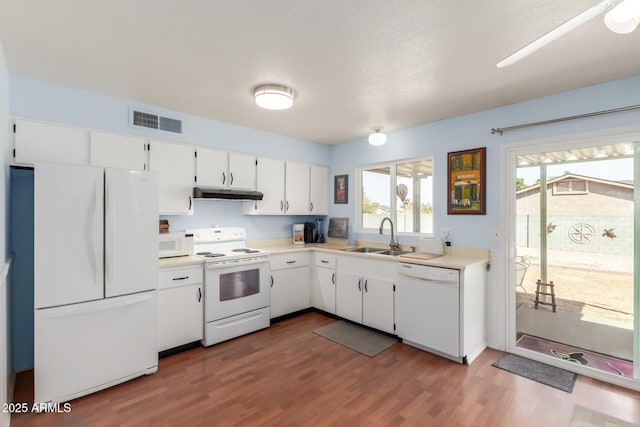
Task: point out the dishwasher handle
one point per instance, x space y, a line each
429 273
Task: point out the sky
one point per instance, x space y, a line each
613 170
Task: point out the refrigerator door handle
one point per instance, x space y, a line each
104 305
92 235
110 215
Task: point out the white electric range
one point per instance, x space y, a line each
236 283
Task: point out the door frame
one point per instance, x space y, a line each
508 154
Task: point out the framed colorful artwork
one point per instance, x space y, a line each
341 189
466 182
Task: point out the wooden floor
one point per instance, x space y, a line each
288 376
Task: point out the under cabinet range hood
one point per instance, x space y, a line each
225 194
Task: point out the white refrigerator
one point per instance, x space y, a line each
95 275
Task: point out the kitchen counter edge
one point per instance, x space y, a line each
180 261
453 261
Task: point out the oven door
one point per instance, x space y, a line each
236 288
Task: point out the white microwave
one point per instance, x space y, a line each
175 244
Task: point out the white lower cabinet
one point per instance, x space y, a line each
349 295
290 290
323 283
377 303
180 306
365 291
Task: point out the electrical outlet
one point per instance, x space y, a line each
445 233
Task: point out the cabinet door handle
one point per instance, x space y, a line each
199 294
272 281
224 178
333 278
365 285
291 262
181 278
360 284
189 202
324 261
231 175
310 206
287 205
281 205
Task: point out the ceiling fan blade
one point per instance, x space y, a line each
557 32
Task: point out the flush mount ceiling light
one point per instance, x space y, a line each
273 97
377 138
623 17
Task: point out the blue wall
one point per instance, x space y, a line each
472 131
21 238
44 101
40 100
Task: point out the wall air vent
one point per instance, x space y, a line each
154 121
170 125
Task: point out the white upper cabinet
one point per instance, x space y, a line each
242 171
45 142
319 190
212 167
270 182
222 169
175 164
117 151
297 188
290 188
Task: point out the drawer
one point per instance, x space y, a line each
325 260
292 260
180 276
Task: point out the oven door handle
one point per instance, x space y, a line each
237 264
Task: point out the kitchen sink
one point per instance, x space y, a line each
390 252
377 251
365 249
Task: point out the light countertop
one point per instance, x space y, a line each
456 258
180 261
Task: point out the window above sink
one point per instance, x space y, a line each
401 190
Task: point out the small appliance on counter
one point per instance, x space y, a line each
319 236
298 234
308 232
175 244
338 228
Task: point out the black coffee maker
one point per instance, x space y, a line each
308 232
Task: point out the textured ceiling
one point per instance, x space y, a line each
354 64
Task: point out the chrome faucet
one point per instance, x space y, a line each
393 244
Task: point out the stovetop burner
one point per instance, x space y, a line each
209 254
245 250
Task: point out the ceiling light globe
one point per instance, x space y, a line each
273 97
624 18
377 138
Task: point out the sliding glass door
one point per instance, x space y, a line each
574 268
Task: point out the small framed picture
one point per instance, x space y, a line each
466 175
341 189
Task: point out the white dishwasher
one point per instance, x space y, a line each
428 308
